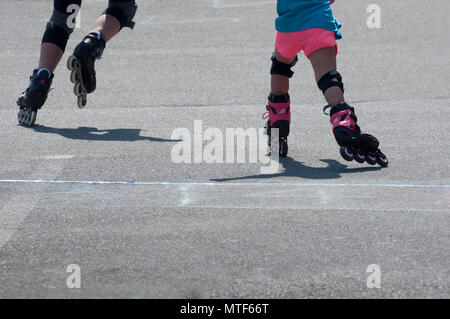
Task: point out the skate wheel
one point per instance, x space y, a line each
82 101
346 154
382 161
72 63
359 157
74 78
27 117
23 116
32 118
269 151
283 147
20 116
77 90
370 159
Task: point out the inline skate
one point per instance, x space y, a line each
353 144
279 116
81 64
34 97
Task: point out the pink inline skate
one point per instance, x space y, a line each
354 145
279 114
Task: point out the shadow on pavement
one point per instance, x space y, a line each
94 134
293 168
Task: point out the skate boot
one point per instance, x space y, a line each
279 114
34 97
81 65
354 145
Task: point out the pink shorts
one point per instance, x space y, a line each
308 41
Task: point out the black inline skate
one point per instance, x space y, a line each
34 97
81 65
354 145
279 114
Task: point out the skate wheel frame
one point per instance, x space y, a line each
382 160
359 157
346 154
75 77
27 117
283 147
371 158
82 101
73 63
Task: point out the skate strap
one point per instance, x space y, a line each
326 107
279 109
44 70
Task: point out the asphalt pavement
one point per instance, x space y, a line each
101 187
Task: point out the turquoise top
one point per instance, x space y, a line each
298 15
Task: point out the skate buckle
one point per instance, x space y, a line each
326 107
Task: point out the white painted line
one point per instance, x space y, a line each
308 208
55 157
225 184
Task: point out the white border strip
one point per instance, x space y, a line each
41 181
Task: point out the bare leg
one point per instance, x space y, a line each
50 56
324 61
278 108
108 25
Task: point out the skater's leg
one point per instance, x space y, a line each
354 144
50 56
53 44
107 25
323 62
278 106
119 14
58 30
280 83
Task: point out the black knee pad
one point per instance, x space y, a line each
332 78
124 11
59 28
280 68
